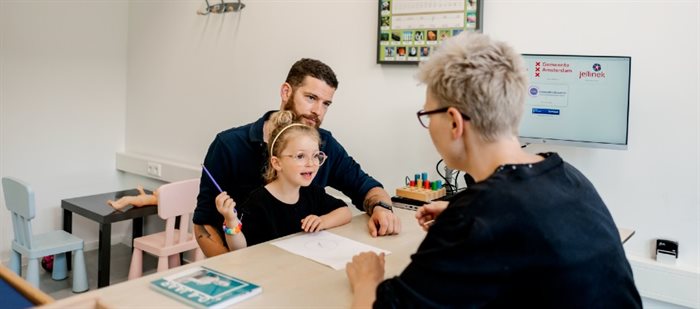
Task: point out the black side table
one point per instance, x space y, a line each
95 207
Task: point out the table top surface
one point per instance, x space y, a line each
288 280
95 207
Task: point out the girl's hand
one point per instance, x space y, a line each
429 212
226 207
312 223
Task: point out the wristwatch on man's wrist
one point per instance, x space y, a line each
381 204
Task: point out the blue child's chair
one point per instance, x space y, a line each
19 200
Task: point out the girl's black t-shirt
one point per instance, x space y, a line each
265 218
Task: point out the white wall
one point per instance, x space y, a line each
653 186
192 76
62 104
82 80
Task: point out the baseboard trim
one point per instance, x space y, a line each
668 283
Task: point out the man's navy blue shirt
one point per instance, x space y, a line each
238 156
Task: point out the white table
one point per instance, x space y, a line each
287 279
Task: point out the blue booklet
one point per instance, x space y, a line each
205 288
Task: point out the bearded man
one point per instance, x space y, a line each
237 157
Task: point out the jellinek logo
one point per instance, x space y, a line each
597 72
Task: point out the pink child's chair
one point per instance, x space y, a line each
174 199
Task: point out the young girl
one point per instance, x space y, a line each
287 204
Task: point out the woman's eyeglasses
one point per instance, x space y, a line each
301 158
424 116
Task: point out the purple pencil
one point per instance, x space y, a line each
212 178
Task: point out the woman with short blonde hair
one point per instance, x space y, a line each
530 232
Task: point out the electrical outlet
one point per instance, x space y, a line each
154 169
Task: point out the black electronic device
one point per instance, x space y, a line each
411 204
666 251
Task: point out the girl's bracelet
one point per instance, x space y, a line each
233 231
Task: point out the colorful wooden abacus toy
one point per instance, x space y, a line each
421 189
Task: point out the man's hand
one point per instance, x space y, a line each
383 222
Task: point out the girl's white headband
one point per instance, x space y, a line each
272 146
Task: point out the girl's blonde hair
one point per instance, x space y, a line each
284 129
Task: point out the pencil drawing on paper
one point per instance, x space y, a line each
321 244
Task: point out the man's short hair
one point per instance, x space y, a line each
484 79
311 67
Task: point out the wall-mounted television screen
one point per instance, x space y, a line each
577 100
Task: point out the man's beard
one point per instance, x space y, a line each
289 106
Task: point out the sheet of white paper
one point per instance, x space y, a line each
326 248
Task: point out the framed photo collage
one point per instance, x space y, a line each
410 30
